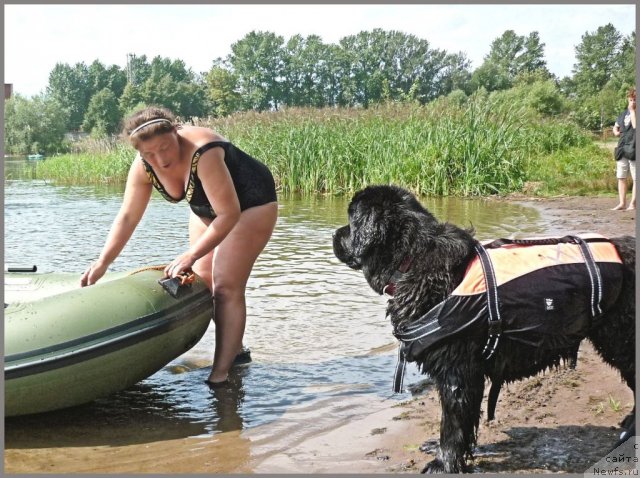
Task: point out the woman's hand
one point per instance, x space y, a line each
93 273
180 264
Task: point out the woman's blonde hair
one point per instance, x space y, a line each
147 123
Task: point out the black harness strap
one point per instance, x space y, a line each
425 325
398 376
493 307
594 277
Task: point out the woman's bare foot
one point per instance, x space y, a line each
619 207
214 381
631 208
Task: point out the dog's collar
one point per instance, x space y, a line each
390 288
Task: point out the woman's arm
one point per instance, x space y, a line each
616 129
136 197
218 186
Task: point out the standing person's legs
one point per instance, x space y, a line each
233 261
632 168
622 171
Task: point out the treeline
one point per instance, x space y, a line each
264 72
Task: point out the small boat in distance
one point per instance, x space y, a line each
36 156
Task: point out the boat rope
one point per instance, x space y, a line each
185 277
148 268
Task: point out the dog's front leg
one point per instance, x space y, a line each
461 398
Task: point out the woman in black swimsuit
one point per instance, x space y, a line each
233 212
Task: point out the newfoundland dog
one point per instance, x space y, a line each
465 311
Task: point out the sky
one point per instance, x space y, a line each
36 37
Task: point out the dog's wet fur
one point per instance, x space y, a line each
388 224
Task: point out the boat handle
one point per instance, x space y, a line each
21 269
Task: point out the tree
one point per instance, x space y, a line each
131 99
190 100
624 76
138 69
455 74
74 86
222 86
371 60
163 82
258 60
604 70
308 70
174 69
597 58
510 55
36 125
505 51
70 87
532 58
103 114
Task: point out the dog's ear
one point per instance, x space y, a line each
368 229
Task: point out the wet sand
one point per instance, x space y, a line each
562 421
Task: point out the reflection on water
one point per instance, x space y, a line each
317 332
170 405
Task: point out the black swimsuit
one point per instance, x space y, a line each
252 180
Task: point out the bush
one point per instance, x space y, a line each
34 125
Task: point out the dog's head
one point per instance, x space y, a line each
383 223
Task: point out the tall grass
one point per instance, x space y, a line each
109 167
444 148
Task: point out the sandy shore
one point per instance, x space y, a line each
562 421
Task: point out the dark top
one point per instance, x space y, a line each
627 141
252 180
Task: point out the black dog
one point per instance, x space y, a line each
403 250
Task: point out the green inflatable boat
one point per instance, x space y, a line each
65 345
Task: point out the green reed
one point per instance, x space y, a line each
478 148
108 167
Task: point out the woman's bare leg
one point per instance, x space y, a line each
233 261
622 195
202 266
632 204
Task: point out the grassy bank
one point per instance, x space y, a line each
479 148
575 171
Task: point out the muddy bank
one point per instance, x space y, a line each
583 214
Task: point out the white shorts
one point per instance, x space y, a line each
623 166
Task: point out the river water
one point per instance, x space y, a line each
323 352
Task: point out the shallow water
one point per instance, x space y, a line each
318 333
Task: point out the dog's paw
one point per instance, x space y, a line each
433 467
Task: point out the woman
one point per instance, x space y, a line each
233 213
625 153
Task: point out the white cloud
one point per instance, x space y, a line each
39 36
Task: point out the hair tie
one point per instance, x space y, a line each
150 122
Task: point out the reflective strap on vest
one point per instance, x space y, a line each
495 320
398 376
